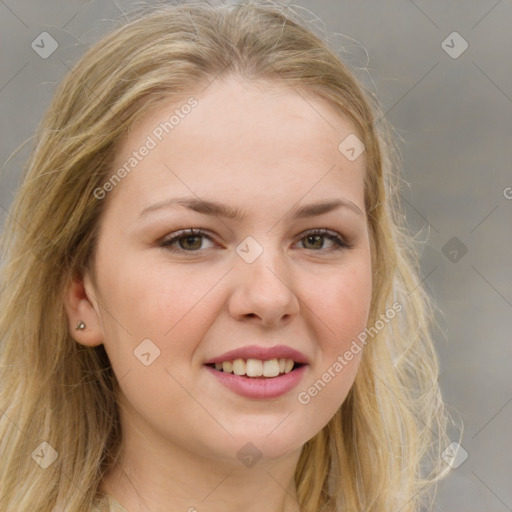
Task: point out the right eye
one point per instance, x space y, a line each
189 240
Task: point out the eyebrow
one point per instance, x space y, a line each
222 210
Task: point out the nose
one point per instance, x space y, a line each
264 290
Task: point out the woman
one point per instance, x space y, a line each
210 299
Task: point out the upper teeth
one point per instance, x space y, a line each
256 367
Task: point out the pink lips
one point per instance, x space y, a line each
260 387
263 353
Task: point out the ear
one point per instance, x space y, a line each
81 305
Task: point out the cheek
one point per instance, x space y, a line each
353 299
343 304
154 301
341 311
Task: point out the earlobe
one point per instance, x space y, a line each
83 314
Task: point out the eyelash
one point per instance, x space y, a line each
336 238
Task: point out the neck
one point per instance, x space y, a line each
169 478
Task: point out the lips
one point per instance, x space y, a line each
260 353
259 372
260 388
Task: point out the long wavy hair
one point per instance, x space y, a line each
381 451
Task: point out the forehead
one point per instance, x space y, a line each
236 135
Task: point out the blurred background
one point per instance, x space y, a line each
442 72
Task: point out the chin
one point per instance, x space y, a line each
258 443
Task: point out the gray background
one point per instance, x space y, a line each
454 116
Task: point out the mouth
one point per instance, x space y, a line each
256 368
259 372
259 379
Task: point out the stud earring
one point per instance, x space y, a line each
80 326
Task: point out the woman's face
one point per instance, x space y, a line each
264 282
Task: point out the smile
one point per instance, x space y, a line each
258 387
256 367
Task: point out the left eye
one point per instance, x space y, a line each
190 240
319 235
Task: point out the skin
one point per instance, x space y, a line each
266 150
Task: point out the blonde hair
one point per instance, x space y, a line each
382 449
